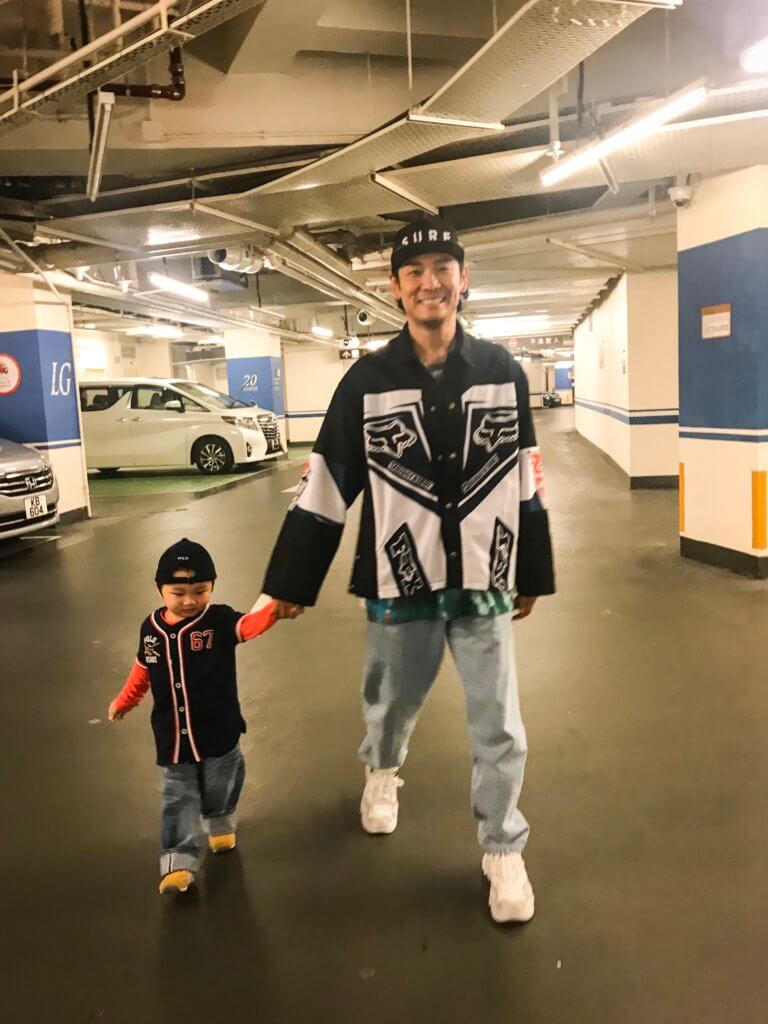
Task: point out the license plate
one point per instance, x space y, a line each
36 506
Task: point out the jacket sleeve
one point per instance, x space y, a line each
535 571
334 476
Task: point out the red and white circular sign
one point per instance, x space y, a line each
10 375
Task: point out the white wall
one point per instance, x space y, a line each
724 206
602 380
626 371
101 354
537 381
311 375
653 371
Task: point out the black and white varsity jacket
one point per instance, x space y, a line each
450 474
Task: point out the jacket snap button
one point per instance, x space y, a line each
173 636
183 732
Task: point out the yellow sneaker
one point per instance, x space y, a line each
222 844
176 881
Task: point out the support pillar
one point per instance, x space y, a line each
39 404
255 369
723 269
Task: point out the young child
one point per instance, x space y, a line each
187 657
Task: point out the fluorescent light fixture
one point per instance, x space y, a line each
374 346
186 291
89 327
214 339
169 236
504 326
321 332
103 116
639 128
754 60
156 331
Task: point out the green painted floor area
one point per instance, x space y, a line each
135 482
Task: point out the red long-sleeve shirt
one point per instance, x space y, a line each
248 628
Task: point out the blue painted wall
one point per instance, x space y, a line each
257 379
563 378
44 407
724 381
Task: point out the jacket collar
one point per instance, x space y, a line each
402 347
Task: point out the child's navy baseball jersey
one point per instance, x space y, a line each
190 667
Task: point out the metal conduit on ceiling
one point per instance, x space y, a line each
205 16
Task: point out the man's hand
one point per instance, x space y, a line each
286 610
523 607
113 714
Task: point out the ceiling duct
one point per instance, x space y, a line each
240 259
23 102
533 50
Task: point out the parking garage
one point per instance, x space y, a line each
200 204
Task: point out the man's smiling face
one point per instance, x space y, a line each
430 287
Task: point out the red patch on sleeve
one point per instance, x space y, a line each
538 474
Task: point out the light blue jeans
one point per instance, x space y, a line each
199 800
401 663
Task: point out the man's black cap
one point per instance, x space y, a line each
426 234
185 554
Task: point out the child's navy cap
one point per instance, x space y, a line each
185 554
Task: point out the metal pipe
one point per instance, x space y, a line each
318 260
30 262
54 13
326 275
176 91
78 56
334 291
409 43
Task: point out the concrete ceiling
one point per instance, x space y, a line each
322 86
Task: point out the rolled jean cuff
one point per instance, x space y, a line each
220 824
516 846
174 861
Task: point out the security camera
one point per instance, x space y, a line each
363 317
681 195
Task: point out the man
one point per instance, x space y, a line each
436 430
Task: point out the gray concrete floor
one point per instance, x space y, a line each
645 700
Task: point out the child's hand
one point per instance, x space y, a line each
286 610
113 714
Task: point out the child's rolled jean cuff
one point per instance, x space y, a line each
220 825
175 861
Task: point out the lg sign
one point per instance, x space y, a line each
61 379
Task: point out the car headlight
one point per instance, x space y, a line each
240 421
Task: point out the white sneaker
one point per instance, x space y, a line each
511 895
378 806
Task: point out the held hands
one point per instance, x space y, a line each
287 610
523 607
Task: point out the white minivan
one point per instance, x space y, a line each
149 422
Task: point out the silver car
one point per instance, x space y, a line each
29 494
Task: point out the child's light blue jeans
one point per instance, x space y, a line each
401 663
198 800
